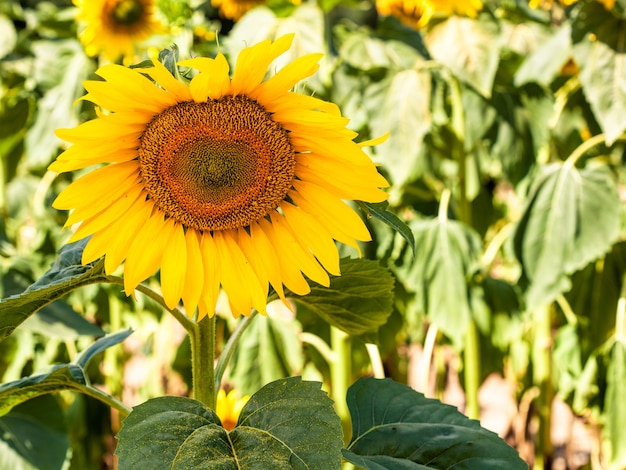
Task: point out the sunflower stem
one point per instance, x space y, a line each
340 369
202 361
230 346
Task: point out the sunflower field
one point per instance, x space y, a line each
293 234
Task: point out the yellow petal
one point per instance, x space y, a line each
213 81
77 157
89 188
341 149
212 270
314 236
107 216
238 278
375 141
291 275
173 264
253 62
292 248
163 77
288 76
146 252
194 277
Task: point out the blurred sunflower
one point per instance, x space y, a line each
114 27
235 9
457 7
236 182
228 407
414 13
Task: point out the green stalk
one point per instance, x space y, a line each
203 361
471 353
340 372
105 398
542 371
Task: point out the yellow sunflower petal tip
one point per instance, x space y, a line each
217 190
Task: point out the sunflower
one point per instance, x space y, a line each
233 182
414 13
228 407
459 7
235 9
114 27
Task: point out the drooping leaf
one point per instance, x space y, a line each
379 211
287 424
615 409
571 219
66 274
446 254
395 427
358 302
34 436
269 350
469 48
59 377
100 345
602 60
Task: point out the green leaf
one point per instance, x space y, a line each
469 48
358 302
65 275
34 436
400 105
546 62
100 345
270 349
615 409
60 377
286 424
572 217
602 60
444 261
395 427
379 211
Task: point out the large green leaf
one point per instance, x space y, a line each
268 350
287 424
66 274
615 409
395 427
469 48
446 255
602 61
33 436
358 302
572 218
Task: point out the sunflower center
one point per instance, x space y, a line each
216 165
127 12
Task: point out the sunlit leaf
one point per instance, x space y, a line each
602 61
469 48
395 427
358 302
545 63
287 424
572 217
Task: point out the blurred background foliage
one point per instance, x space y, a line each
506 156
